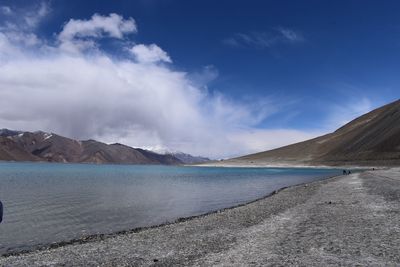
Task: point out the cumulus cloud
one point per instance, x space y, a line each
20 23
138 104
112 25
78 35
133 101
149 53
266 39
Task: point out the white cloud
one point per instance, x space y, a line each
95 95
27 39
33 17
149 53
133 103
75 33
206 75
6 48
290 35
20 24
267 39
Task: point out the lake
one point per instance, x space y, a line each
50 202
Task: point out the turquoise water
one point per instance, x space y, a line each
45 203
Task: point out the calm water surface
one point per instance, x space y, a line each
46 203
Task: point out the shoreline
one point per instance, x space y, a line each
103 236
228 164
355 167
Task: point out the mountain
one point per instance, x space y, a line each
10 150
371 139
7 132
189 159
42 146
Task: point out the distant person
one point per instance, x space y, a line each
344 172
349 172
1 212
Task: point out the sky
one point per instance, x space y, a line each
210 78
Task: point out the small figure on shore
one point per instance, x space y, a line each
349 172
344 172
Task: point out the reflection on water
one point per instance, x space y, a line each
46 203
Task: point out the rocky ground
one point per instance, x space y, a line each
349 220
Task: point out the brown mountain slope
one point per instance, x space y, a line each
41 146
50 147
10 150
97 152
372 139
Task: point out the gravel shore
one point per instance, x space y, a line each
347 220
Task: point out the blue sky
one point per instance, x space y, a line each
294 69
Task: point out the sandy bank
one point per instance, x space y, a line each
346 220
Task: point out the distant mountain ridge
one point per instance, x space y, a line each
370 140
187 158
50 147
7 132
